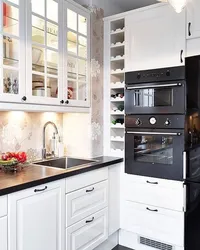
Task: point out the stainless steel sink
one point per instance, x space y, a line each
65 162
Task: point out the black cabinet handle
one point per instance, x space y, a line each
152 210
40 190
189 29
89 221
154 183
181 56
24 98
67 102
62 101
89 190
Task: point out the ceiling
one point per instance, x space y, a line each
112 7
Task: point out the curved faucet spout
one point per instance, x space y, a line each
44 154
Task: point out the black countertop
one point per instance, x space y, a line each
33 175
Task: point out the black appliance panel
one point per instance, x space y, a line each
154 153
156 98
155 121
155 75
192 159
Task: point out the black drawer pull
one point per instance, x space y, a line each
89 190
181 56
189 29
152 210
89 221
40 190
154 183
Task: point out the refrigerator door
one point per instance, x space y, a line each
192 216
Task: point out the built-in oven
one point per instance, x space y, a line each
160 91
154 146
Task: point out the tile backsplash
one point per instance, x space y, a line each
22 131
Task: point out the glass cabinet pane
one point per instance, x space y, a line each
10 51
82 49
71 20
72 42
82 91
10 81
72 67
38 7
71 93
52 87
38 25
38 85
14 1
52 62
82 25
82 70
10 19
52 10
38 55
52 35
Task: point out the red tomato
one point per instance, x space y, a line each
4 157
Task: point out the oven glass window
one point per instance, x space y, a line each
154 149
153 97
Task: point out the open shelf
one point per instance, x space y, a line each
117 139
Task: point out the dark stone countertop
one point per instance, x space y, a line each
34 175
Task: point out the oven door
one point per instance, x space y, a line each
157 153
155 98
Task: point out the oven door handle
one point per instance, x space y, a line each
152 133
155 86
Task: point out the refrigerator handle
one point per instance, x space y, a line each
184 197
184 165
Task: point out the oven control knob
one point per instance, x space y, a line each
167 122
152 120
138 122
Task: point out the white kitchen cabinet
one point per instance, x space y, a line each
3 233
86 201
12 50
88 233
36 218
114 173
155 38
151 222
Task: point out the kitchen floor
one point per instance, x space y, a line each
118 247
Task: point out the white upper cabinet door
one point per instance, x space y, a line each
76 40
3 234
193 19
12 51
155 38
44 52
36 218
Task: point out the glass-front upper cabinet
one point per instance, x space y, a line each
76 56
44 51
12 50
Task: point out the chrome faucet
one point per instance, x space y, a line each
44 151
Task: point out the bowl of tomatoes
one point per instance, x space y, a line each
12 161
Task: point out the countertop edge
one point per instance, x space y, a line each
20 187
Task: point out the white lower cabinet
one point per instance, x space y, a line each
36 218
86 201
89 232
3 233
151 222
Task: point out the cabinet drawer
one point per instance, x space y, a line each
3 233
164 225
3 205
86 235
156 192
86 201
83 180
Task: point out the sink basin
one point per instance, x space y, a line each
64 162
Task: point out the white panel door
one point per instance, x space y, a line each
86 201
3 233
88 233
155 38
193 19
36 218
